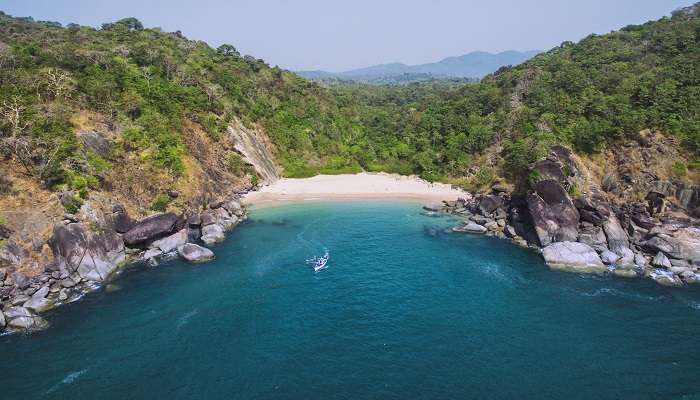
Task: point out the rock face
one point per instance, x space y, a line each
93 254
150 229
617 237
573 256
553 213
194 253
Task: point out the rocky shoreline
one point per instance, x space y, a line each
91 246
657 239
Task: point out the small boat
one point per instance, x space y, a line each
318 263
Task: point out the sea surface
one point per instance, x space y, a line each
405 310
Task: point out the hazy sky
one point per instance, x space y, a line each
340 35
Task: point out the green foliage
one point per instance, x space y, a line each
149 82
235 164
160 202
73 205
3 220
679 169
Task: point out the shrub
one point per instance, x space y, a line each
679 169
160 203
235 164
73 205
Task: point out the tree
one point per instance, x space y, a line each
227 50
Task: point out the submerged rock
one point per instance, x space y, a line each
573 256
195 253
666 278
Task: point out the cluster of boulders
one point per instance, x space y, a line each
588 233
93 244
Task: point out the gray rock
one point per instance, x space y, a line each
121 221
683 244
19 299
666 278
573 256
593 236
95 142
194 221
432 207
152 253
39 304
617 237
207 218
194 253
21 280
625 273
471 227
234 207
30 323
213 233
171 243
67 283
690 277
640 260
626 258
151 228
2 320
660 260
492 226
608 257
14 312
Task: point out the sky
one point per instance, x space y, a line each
342 35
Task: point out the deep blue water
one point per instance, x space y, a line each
404 311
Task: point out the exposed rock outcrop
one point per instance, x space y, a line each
194 253
573 256
151 228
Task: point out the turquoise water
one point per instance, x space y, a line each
405 310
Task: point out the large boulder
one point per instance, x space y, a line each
171 243
194 253
150 229
553 213
39 302
573 256
489 203
93 253
683 244
666 278
20 318
660 260
213 233
2 320
593 236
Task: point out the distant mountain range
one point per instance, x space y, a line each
474 65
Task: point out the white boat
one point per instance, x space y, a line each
319 263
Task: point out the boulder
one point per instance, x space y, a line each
121 221
573 256
666 278
95 254
471 227
152 253
489 204
616 236
608 257
626 258
20 280
171 243
593 236
432 207
625 273
207 218
553 214
30 323
683 244
150 229
95 142
194 221
194 253
2 320
660 260
38 302
213 233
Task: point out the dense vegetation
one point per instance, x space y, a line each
147 83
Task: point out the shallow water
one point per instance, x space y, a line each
405 310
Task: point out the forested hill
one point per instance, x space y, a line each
147 85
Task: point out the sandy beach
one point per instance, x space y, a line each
354 186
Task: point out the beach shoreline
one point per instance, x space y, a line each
348 187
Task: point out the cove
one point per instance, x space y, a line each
405 309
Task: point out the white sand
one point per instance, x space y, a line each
354 186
